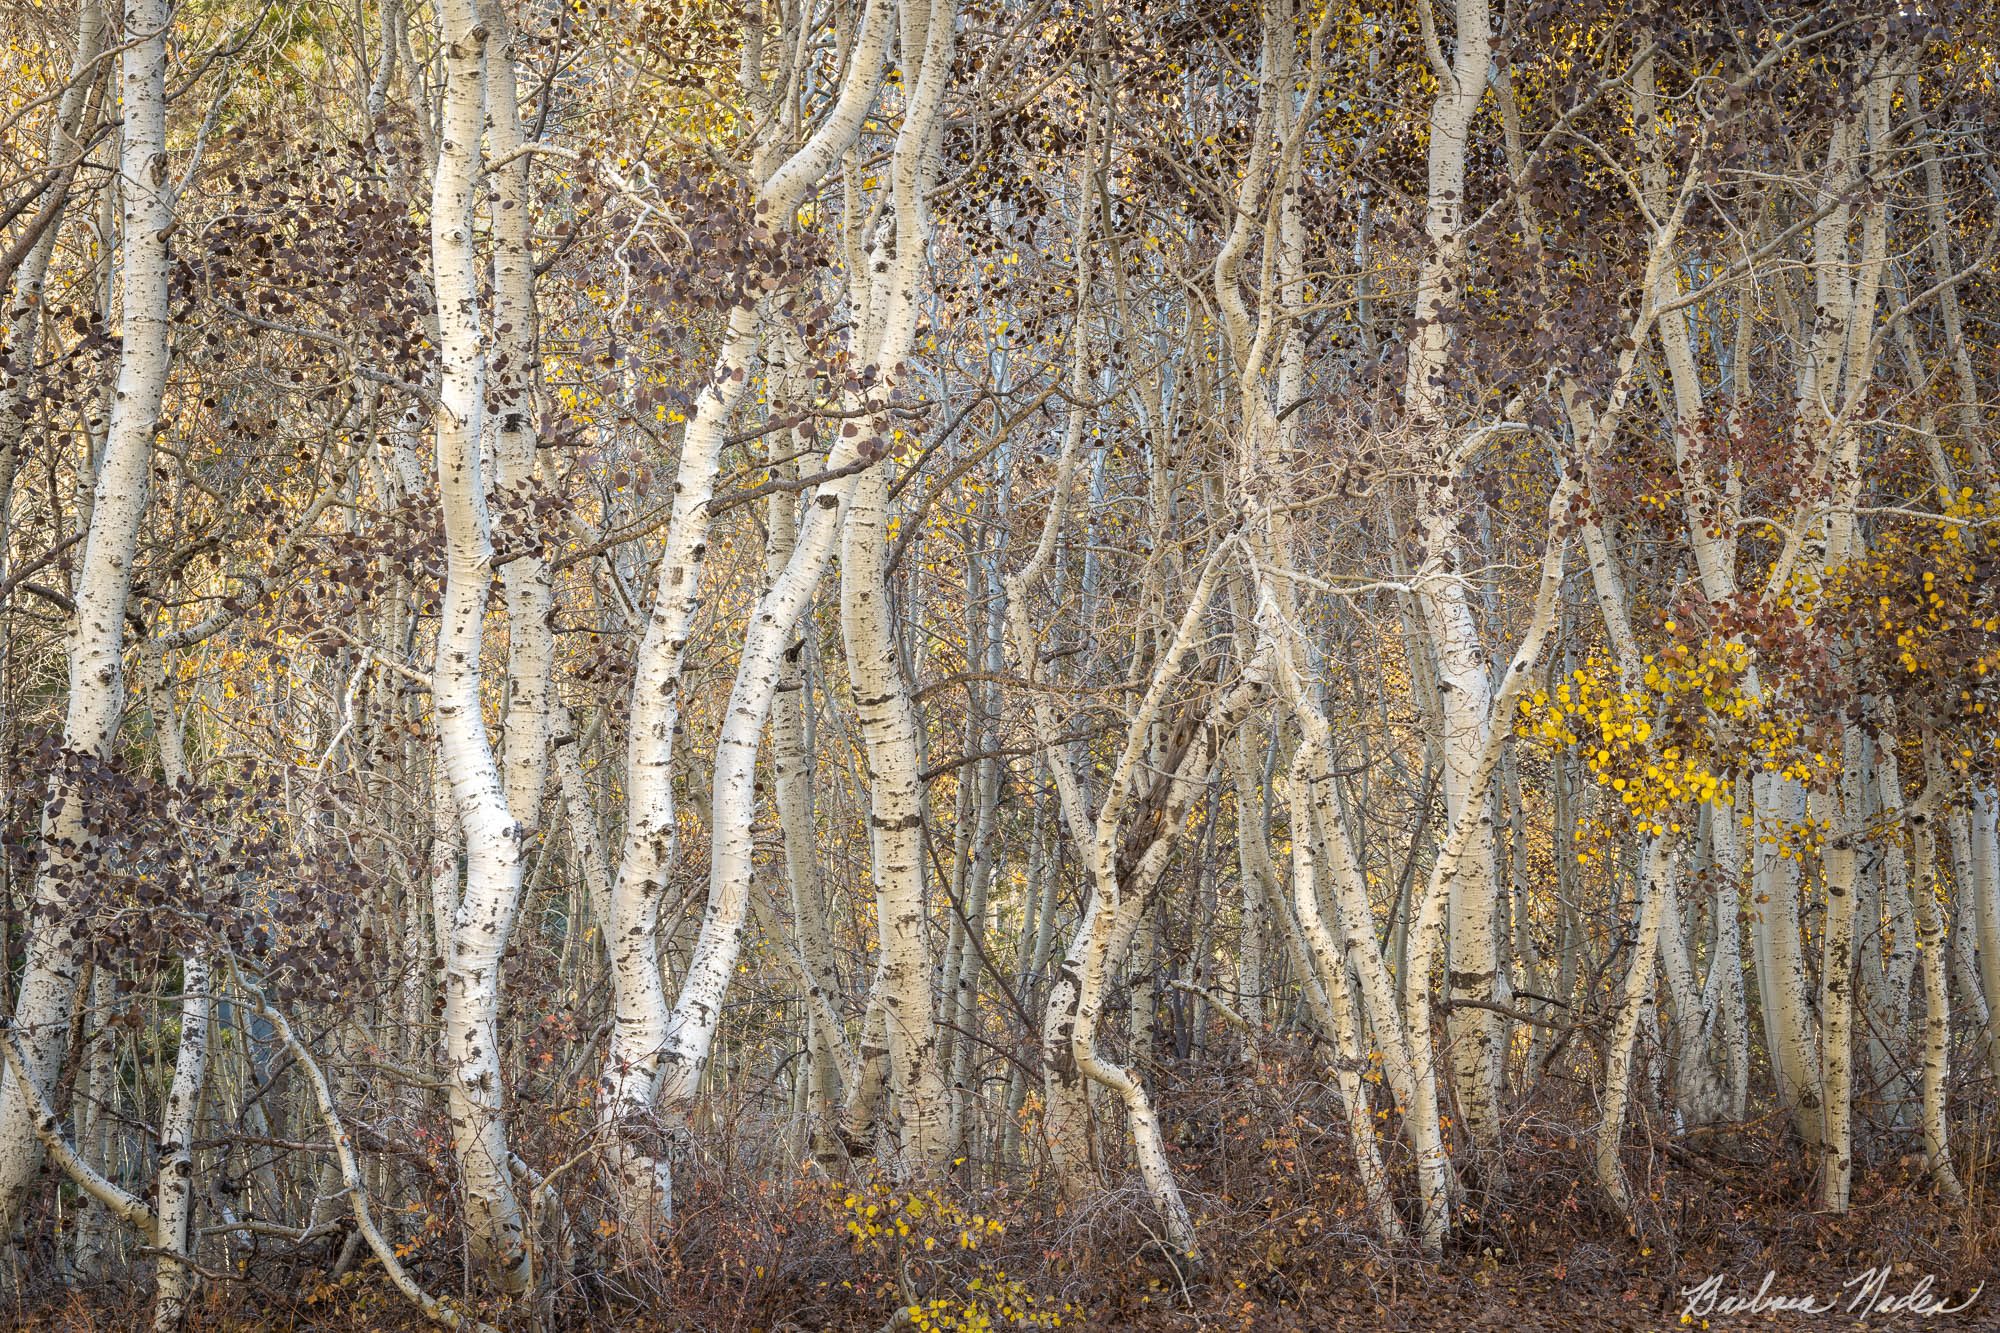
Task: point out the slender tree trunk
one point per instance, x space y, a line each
792 793
1937 1008
889 731
96 698
179 1122
180 1117
655 1051
1779 804
1840 869
1984 891
98 1084
1637 998
1478 1035
529 592
1890 962
1694 1083
493 836
1331 983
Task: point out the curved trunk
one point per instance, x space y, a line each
1329 987
792 793
657 1052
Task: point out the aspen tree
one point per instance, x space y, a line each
96 696
646 1032
483 912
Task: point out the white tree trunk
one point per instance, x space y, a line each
180 1117
1779 804
1637 998
513 370
646 1033
1963 908
1695 1093
1722 988
1840 870
792 794
1889 964
96 697
1331 982
1478 1036
1937 1007
179 1121
493 837
1984 890
888 728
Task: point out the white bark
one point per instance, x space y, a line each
1478 1036
530 593
1637 998
1840 870
982 587
178 1124
1722 988
888 726
696 1014
1937 1008
1259 881
1711 528
1118 903
1779 804
493 836
1889 963
1331 981
96 697
647 1033
180 1117
96 1081
1964 910
792 794
1429 912
1984 890
1694 1085
1118 894
349 1168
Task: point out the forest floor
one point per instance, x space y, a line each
1286 1241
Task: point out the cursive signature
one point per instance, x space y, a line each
1866 1293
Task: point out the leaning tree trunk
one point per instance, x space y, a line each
657 1051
